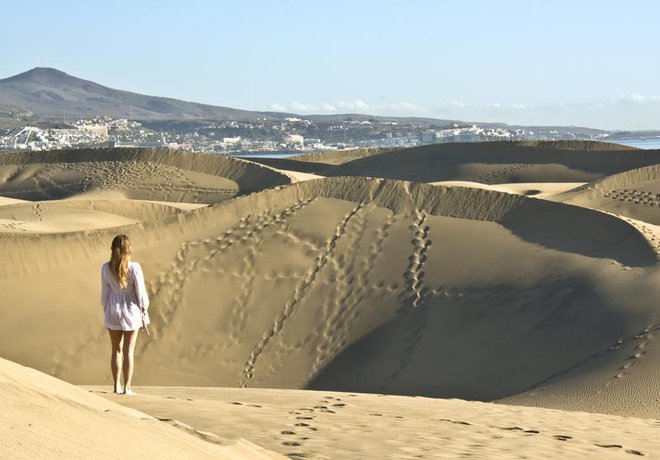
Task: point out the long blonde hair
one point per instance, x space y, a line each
119 257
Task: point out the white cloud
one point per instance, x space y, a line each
404 108
361 105
328 108
353 106
628 111
302 107
634 98
356 106
276 108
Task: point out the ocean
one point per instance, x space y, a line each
647 144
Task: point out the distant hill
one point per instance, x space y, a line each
50 93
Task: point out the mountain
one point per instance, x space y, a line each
47 93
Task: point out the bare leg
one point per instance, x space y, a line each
130 339
116 339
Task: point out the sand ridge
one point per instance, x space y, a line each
486 162
139 173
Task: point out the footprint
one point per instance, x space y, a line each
291 443
562 437
287 432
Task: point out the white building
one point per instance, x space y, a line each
294 139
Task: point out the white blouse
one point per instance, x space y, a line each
124 307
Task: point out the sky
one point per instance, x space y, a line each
579 62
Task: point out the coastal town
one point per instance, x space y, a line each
267 136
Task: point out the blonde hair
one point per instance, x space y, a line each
119 257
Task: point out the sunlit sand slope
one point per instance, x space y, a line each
315 424
58 216
353 284
133 173
634 193
43 417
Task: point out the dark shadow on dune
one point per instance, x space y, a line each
43 194
441 162
491 343
580 231
292 165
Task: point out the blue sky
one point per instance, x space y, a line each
590 63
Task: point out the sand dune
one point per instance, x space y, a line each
497 163
634 193
43 417
533 189
321 424
260 278
60 216
335 157
260 291
489 163
137 174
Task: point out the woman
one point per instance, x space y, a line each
125 302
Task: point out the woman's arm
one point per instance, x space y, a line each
140 287
105 288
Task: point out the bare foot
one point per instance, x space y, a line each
129 392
